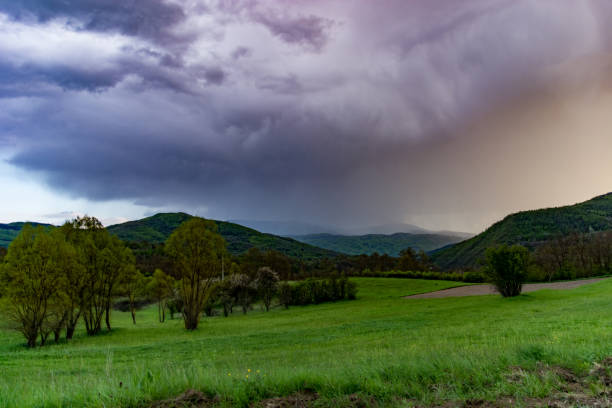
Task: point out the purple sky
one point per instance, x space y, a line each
441 113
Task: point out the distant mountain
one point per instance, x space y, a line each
530 228
8 232
298 229
157 229
383 244
286 228
390 229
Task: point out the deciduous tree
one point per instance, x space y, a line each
197 251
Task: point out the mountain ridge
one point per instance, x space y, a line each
390 244
157 228
530 228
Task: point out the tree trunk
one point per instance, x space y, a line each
192 319
107 316
57 333
70 331
31 341
43 338
71 323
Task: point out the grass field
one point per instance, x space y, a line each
398 351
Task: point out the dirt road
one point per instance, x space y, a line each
478 290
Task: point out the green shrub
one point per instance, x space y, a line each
473 277
315 291
507 268
285 294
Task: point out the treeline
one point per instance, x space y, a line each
573 256
315 291
52 279
150 257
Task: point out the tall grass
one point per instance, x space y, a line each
398 351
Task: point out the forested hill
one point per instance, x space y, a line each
530 227
390 244
8 232
157 229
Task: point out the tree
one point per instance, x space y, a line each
31 277
160 288
267 285
244 290
104 259
506 267
175 302
78 277
197 251
285 294
226 296
115 260
133 285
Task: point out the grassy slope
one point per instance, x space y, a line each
383 244
158 228
8 232
379 345
529 227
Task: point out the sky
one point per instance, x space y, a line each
444 114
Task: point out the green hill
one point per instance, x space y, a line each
157 229
530 228
383 244
8 232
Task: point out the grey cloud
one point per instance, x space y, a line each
150 19
309 31
355 131
214 75
241 52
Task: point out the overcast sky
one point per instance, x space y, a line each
444 114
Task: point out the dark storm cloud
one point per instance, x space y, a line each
67 78
314 110
307 30
29 77
241 52
150 19
310 31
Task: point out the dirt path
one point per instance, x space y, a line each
478 290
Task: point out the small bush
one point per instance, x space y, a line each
507 268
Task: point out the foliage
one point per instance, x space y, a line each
266 283
133 285
285 294
103 260
161 288
507 268
530 228
32 278
315 291
391 244
197 251
574 256
244 291
468 277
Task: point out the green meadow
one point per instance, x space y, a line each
381 347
